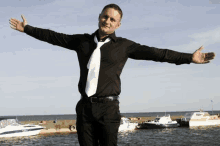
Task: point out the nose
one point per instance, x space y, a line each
107 21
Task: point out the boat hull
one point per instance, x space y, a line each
156 126
204 123
126 128
14 131
21 133
203 119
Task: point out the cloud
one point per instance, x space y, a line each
207 38
196 40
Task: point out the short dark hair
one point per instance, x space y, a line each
114 6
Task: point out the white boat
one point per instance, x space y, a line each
203 119
159 122
12 128
126 125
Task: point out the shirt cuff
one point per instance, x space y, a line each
188 57
28 29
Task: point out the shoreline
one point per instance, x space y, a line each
69 126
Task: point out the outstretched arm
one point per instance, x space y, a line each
18 25
142 52
201 58
49 36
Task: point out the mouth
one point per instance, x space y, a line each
105 26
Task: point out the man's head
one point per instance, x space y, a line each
110 19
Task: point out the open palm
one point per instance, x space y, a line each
201 58
18 25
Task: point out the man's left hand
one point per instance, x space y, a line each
201 58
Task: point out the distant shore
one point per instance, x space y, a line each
73 116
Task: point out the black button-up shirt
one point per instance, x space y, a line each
114 55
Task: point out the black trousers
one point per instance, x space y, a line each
97 123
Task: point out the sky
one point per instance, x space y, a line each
37 78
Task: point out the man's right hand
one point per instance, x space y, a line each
17 25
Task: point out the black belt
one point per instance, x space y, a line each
101 99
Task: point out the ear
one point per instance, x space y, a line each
100 16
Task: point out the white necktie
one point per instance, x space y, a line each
94 66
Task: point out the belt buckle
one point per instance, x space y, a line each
110 98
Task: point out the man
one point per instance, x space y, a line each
102 57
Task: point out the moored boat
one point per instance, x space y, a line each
12 128
203 119
158 122
126 125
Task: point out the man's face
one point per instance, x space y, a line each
109 21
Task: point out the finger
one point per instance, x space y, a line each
200 49
13 27
13 20
206 62
13 23
206 59
212 53
209 56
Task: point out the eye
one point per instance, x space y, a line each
113 20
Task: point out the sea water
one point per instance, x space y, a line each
207 136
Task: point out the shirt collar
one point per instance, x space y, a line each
112 36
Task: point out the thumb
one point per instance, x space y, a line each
200 49
24 20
